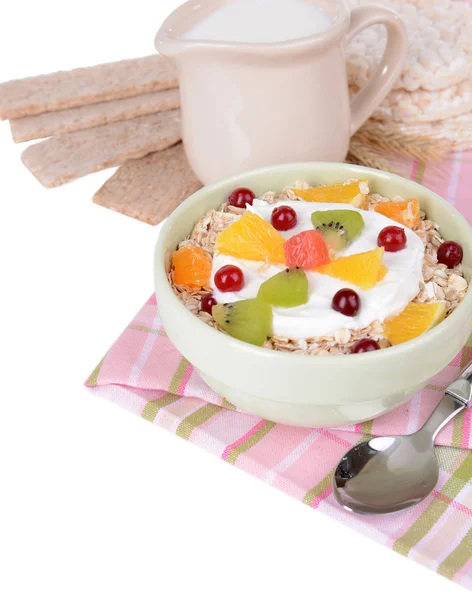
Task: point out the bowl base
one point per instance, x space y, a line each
309 415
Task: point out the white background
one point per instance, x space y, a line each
94 502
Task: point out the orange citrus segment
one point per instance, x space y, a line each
382 272
191 267
252 238
349 193
361 269
413 321
406 212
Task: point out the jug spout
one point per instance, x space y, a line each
169 39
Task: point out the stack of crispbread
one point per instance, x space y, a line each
433 96
123 113
126 113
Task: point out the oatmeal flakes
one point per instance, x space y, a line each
459 284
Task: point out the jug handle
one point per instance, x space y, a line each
390 67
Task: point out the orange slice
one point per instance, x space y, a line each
382 272
406 212
252 238
349 193
191 267
413 321
362 269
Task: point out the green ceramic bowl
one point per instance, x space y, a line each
311 391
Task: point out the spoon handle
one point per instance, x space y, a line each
448 408
458 396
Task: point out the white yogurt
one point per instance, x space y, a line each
260 21
317 318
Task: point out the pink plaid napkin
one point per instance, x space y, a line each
144 373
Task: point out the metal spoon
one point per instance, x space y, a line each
388 474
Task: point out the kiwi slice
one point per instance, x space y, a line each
246 320
286 289
339 228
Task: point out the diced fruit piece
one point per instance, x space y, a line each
406 212
241 197
283 218
450 254
246 320
229 279
347 302
413 321
207 303
392 238
252 238
382 272
349 193
361 269
366 345
306 250
191 267
286 289
338 227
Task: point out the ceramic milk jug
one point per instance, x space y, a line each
248 104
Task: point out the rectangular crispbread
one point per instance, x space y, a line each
69 156
89 85
150 188
92 115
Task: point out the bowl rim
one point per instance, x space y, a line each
161 277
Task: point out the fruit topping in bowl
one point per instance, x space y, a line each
347 302
191 267
413 321
252 238
406 212
353 193
241 197
307 250
229 279
207 303
366 345
392 238
339 228
287 289
247 320
450 254
323 270
283 218
363 270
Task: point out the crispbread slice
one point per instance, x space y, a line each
439 45
423 106
92 115
457 130
69 156
68 89
149 188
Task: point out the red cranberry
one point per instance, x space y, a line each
229 279
366 345
347 302
283 218
241 197
392 238
208 302
450 254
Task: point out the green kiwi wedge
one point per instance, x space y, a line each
339 228
246 320
287 289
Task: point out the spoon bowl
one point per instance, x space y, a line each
388 474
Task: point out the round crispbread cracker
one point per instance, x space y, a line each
422 106
440 45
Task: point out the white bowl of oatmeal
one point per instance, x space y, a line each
315 296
